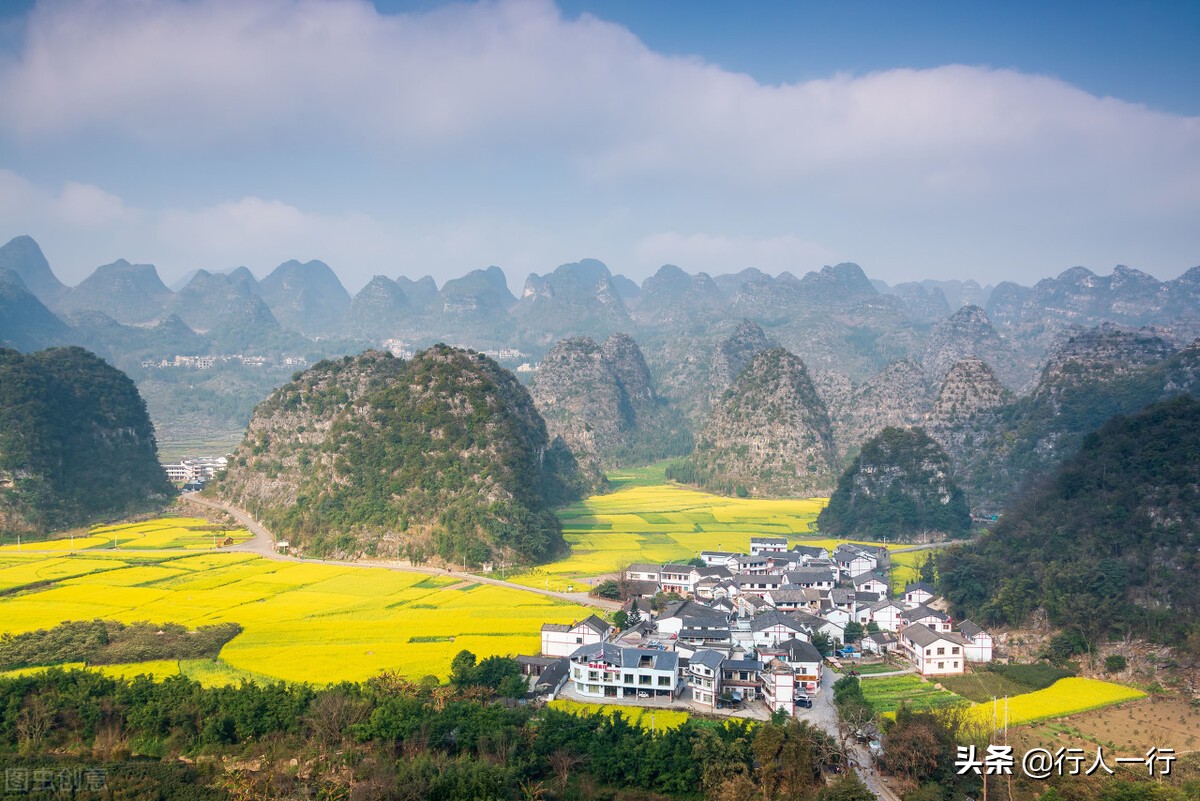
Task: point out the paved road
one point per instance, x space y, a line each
824 714
263 544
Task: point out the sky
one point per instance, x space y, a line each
993 141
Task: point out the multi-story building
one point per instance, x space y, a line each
704 676
768 545
604 670
934 653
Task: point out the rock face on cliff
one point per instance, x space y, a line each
769 434
599 400
1092 376
732 355
899 395
75 442
442 455
898 487
969 334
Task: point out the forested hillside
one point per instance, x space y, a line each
444 454
900 486
75 441
1110 544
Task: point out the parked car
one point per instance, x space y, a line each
643 694
804 701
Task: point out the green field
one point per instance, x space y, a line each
887 693
645 519
302 621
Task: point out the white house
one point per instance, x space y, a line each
777 682
604 670
855 561
821 578
755 564
802 657
811 624
644 572
704 676
887 615
680 579
757 584
720 558
917 593
559 639
871 582
773 627
923 615
979 642
880 642
934 653
768 545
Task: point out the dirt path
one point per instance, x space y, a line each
263 544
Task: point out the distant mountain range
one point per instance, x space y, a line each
876 354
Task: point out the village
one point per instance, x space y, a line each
749 634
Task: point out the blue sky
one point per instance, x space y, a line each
973 140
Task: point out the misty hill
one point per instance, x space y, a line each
25 322
1109 545
75 442
576 298
421 293
599 399
305 297
128 293
24 257
371 455
900 486
672 295
377 309
769 435
229 308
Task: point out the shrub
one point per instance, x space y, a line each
1115 663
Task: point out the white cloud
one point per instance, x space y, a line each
889 160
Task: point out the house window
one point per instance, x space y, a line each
941 665
578 640
941 652
955 664
664 681
629 678
645 680
954 650
593 675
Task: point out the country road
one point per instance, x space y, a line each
263 544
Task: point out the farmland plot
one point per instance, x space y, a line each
301 622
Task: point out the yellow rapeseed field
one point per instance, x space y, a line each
301 621
187 533
657 719
664 522
1065 697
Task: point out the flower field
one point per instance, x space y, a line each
167 533
659 719
301 621
1065 697
653 521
